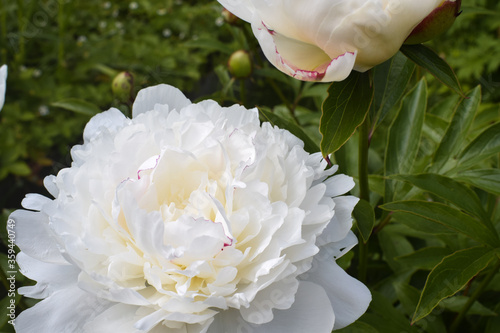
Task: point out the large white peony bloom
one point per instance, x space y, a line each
324 40
188 218
3 84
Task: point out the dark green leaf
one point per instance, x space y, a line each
394 245
450 190
485 179
428 59
390 81
457 130
483 146
78 106
404 136
449 217
365 218
345 108
408 296
421 224
386 318
456 303
309 145
425 258
451 275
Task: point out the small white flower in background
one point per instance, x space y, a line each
324 40
3 84
189 218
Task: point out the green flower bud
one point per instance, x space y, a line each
437 22
123 86
240 64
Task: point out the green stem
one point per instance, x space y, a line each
285 101
364 191
461 315
242 92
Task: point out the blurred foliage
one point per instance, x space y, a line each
472 46
63 57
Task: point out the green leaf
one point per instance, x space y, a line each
428 59
450 190
451 275
390 81
78 106
483 146
421 224
385 317
457 130
455 304
425 258
344 109
309 145
485 179
408 296
404 136
449 217
365 218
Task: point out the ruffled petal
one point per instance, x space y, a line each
49 277
3 84
301 60
109 120
34 237
161 94
349 297
66 310
311 312
341 222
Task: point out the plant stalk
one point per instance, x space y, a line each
364 191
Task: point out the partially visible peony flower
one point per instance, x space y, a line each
3 84
188 218
324 40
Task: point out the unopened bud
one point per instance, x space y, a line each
437 22
122 86
230 17
240 64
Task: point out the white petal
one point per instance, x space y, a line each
338 185
279 295
349 297
67 310
117 318
161 94
341 222
35 201
311 312
34 237
300 60
110 120
3 84
49 277
50 184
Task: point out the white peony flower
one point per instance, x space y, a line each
3 84
324 40
188 218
